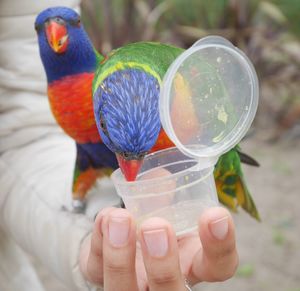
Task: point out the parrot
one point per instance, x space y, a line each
109 106
70 61
126 91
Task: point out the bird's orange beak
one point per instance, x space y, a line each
57 36
129 168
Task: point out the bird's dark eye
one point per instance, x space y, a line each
59 20
75 22
38 27
140 155
126 155
56 19
103 124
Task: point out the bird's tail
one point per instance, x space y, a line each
231 186
246 159
233 192
245 200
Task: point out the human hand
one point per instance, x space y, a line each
111 258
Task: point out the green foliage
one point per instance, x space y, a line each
291 9
268 31
197 13
245 271
278 237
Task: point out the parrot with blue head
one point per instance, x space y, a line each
70 62
109 105
126 91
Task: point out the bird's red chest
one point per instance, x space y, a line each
71 103
162 142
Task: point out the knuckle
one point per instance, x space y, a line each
95 276
96 245
218 275
225 252
223 275
96 251
118 268
225 268
163 278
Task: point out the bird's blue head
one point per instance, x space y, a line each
65 47
127 116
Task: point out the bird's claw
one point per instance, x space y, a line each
78 206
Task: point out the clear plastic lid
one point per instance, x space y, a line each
209 98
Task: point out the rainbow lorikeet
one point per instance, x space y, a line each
124 106
126 92
70 62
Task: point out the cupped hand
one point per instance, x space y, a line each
110 257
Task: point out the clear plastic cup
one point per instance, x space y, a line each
170 185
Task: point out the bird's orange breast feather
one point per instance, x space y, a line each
72 106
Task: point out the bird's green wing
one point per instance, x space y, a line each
231 186
151 57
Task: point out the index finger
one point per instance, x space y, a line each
160 254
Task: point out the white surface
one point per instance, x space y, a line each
36 165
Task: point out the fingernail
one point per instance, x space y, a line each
156 242
118 231
219 228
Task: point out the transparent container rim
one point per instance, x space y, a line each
243 125
169 191
165 178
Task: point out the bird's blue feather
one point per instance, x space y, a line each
96 155
127 103
78 58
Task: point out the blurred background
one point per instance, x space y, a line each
269 33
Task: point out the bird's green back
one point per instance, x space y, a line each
154 58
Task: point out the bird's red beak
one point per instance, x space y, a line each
57 36
129 168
